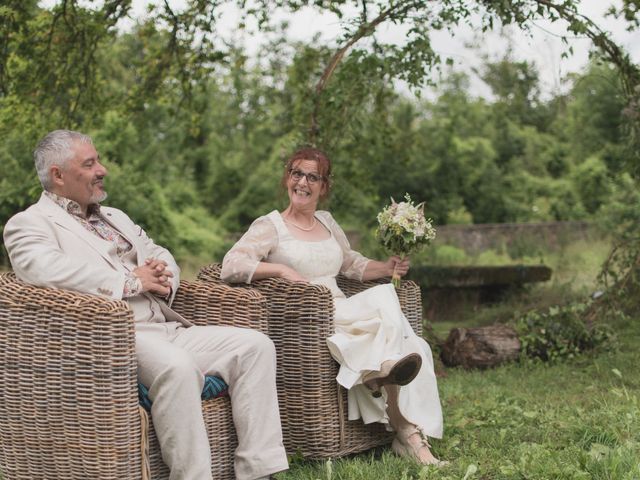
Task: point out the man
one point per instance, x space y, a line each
67 240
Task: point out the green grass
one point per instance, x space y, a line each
574 420
576 263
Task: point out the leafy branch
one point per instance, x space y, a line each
581 25
364 30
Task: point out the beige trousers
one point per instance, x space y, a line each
172 362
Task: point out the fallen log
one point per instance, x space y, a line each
480 347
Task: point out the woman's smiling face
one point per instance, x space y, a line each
302 192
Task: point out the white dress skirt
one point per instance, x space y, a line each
370 326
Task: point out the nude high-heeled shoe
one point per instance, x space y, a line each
413 443
393 372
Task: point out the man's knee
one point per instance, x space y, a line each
263 344
179 369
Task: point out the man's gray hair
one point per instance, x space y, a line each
56 149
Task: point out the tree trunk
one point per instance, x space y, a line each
480 347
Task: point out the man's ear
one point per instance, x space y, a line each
55 174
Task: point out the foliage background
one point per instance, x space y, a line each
194 132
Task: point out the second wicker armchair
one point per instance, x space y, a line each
313 407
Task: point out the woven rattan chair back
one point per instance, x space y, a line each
313 407
68 391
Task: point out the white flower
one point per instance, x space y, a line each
402 218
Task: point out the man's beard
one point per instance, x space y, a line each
98 197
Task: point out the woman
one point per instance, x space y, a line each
387 368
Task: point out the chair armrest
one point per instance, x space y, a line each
282 296
68 390
300 319
298 307
209 304
211 274
290 304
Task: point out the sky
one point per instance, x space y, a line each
542 45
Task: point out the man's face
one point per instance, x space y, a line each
81 178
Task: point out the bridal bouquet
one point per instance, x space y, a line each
403 229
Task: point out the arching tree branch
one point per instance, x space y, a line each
581 24
364 30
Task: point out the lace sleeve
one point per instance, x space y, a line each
353 263
241 261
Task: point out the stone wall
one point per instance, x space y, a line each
477 238
481 237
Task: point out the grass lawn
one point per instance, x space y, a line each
574 420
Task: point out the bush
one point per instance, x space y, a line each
443 255
592 183
561 333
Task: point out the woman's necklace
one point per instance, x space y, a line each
313 225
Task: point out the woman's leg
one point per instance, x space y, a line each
409 439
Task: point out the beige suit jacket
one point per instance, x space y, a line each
48 247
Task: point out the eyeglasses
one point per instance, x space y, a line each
298 174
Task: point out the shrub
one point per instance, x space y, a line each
445 255
561 333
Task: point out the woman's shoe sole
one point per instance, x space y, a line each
402 373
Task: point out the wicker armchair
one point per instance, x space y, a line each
68 389
313 407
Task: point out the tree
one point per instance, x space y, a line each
414 59
190 125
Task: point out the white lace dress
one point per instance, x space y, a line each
370 326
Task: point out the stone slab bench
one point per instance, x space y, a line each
446 289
